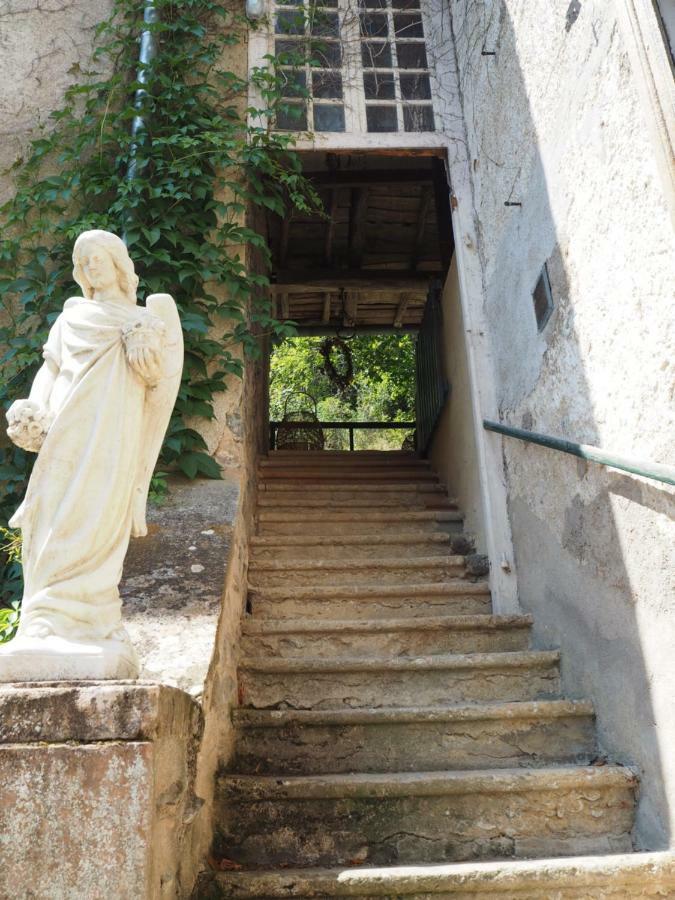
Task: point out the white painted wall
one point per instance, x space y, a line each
555 122
453 448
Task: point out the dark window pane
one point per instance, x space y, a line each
415 87
542 299
374 24
294 83
328 118
325 24
292 117
289 2
418 118
290 21
407 26
379 87
332 3
411 56
373 4
405 4
327 85
290 53
326 55
381 118
376 55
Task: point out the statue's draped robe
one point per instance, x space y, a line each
76 518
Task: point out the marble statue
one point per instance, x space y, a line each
96 416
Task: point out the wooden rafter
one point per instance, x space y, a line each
284 238
422 215
401 310
443 214
330 230
325 315
367 177
357 225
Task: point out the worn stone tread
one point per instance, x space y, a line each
463 623
394 515
579 877
349 540
367 592
303 564
251 788
460 712
453 661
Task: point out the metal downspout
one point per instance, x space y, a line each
146 54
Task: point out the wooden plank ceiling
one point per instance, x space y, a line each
368 260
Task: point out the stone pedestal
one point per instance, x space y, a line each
96 789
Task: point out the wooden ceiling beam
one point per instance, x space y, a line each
446 237
422 215
296 281
358 213
325 315
330 231
401 310
367 177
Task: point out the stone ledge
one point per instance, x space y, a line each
93 711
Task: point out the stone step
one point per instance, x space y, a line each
357 546
421 636
328 461
369 601
315 683
321 522
605 877
338 474
390 570
346 488
430 817
473 736
353 500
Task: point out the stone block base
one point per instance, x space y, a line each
95 789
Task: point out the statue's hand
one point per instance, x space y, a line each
143 340
28 424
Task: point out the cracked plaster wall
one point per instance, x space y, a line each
555 123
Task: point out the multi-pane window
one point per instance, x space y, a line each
353 65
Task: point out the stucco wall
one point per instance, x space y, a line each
555 123
453 448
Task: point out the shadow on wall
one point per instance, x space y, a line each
555 125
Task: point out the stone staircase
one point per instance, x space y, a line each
393 734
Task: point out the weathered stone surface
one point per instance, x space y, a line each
387 570
371 601
300 742
420 636
282 522
316 683
428 817
401 544
610 877
173 580
96 789
91 711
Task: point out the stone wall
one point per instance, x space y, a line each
555 125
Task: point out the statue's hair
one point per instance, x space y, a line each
128 279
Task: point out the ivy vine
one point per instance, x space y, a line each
202 163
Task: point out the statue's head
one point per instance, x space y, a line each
100 259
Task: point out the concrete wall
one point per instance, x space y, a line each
453 448
554 123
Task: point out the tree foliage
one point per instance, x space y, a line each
383 387
203 160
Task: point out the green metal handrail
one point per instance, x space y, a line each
657 471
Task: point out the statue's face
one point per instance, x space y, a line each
98 267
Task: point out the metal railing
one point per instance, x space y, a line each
657 471
350 426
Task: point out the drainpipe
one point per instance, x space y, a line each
147 52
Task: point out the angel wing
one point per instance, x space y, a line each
159 403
